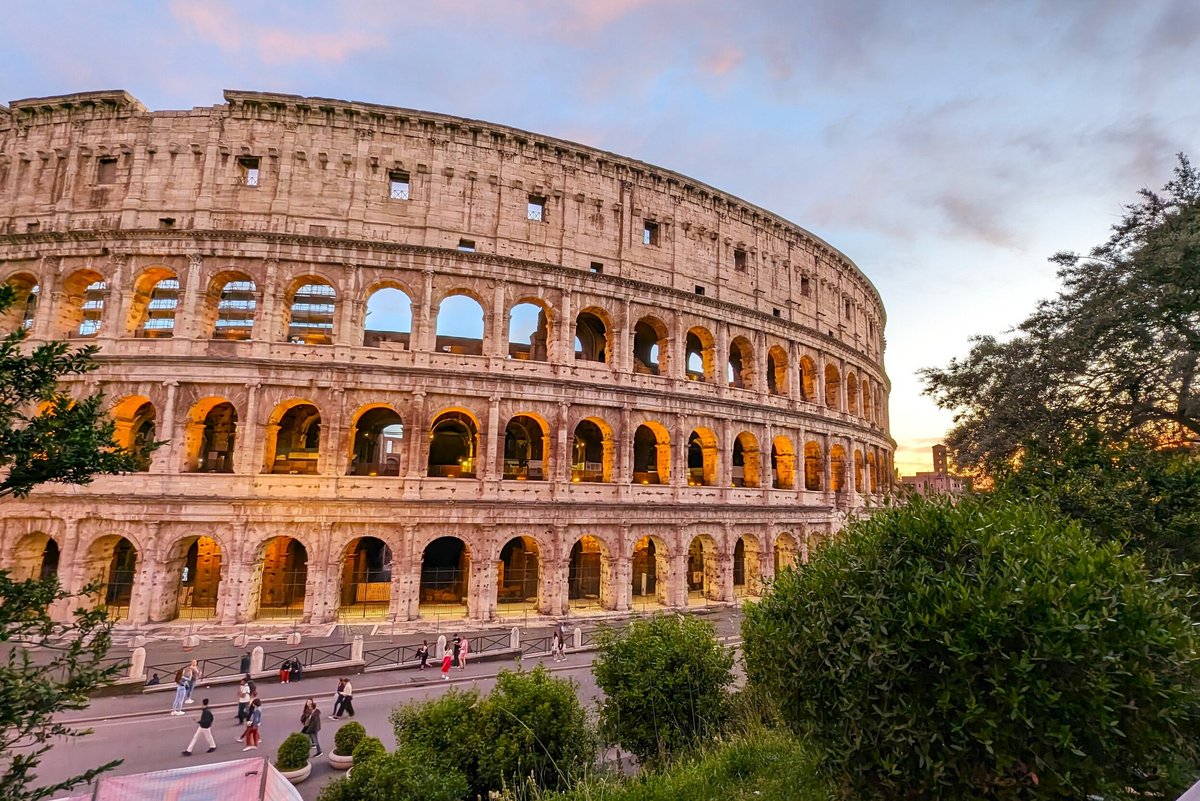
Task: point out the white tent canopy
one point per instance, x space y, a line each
239 780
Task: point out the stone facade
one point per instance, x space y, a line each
702 397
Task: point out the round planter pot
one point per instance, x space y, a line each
339 762
297 776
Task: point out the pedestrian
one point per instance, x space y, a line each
337 700
457 648
423 654
253 725
284 670
205 728
244 666
243 699
347 699
180 691
297 672
560 643
463 649
310 723
446 660
192 675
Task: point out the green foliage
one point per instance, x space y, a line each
531 727
66 440
368 748
293 752
1117 350
404 775
664 681
760 764
34 693
983 649
347 738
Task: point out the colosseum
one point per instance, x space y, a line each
408 366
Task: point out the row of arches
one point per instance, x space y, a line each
191 579
232 309
377 445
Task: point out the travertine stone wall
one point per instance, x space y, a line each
128 228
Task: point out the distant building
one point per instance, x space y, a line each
938 482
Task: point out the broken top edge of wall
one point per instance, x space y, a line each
118 98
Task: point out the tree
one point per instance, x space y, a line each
981 649
45 434
36 686
1116 350
665 683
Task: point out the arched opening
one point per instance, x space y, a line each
517 574
453 441
152 307
524 449
376 443
702 458
445 578
837 468
746 461
24 307
282 580
211 436
195 565
311 311
867 407
852 394
236 299
703 582
650 570
388 321
294 441
746 570
650 347
35 556
111 565
699 358
777 371
589 585
740 370
872 471
858 471
135 425
591 338
366 578
814 467
783 464
83 310
833 387
528 332
460 326
786 552
808 379
651 454
591 452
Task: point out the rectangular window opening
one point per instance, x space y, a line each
32 227
537 208
597 267
166 222
466 245
650 232
739 260
106 170
248 169
699 289
776 313
399 185
805 286
849 309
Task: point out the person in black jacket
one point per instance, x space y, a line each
205 728
310 723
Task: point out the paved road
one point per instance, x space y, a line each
141 730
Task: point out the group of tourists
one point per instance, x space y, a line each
455 655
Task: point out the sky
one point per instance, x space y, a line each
948 148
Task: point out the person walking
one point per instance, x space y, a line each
253 725
446 661
243 699
464 647
191 675
310 723
180 691
347 699
337 700
560 643
205 728
423 654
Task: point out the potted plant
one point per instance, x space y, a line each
344 742
292 758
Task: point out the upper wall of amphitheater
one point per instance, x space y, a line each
98 162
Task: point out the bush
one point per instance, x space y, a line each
448 728
664 681
368 748
293 752
348 737
980 650
403 775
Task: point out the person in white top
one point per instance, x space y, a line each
464 647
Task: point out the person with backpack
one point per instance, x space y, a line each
205 728
252 725
310 723
180 691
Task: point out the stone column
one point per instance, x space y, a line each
482 596
679 470
424 333
146 582
497 337
113 316
561 463
565 350
166 458
187 314
493 443
270 327
334 457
